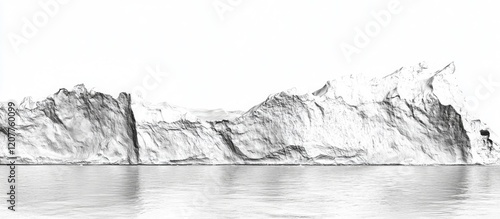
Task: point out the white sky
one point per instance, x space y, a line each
259 48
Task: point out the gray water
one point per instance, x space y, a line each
254 192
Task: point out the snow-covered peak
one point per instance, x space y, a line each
80 89
27 103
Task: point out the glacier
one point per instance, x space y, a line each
414 116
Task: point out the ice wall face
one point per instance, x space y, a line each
74 127
355 122
414 116
173 135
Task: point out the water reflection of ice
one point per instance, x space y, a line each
257 191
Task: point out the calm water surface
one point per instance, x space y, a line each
254 192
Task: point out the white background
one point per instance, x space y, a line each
234 59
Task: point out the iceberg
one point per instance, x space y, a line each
413 116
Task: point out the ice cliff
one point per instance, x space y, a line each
413 116
73 127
